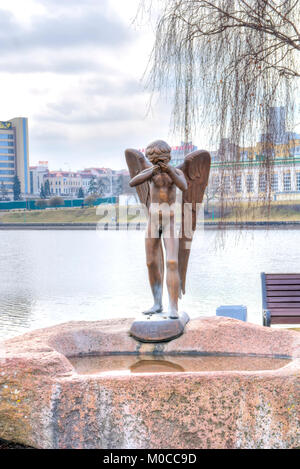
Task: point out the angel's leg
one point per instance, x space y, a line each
152 245
171 246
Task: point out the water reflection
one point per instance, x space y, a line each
15 312
130 364
155 366
50 277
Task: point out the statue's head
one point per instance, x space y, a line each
158 151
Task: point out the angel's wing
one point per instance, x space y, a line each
136 163
196 168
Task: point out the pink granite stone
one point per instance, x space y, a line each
46 403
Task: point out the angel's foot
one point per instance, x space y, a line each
173 314
156 308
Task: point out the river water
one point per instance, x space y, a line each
50 277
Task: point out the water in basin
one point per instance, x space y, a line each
133 364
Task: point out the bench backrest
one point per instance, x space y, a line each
281 296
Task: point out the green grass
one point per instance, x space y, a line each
64 215
276 211
61 215
243 212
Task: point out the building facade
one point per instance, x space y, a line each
14 159
65 183
252 179
271 167
37 174
109 182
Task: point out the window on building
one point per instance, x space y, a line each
6 144
226 184
298 181
6 136
216 183
238 183
244 155
8 186
7 165
262 183
287 181
7 171
6 150
7 158
250 183
274 182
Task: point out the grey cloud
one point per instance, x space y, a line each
76 126
46 136
70 3
57 140
96 150
65 107
105 85
100 150
52 65
69 112
91 28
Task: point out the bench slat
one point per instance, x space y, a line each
275 294
283 282
273 305
274 288
286 299
285 320
274 276
284 312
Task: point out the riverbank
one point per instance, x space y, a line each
141 226
278 215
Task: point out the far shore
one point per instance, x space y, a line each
141 226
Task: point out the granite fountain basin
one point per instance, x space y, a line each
222 384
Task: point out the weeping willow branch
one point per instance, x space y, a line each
225 63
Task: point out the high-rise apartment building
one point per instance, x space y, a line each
14 154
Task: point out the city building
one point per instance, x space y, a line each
251 179
110 182
65 183
178 153
14 158
37 174
102 177
247 173
86 177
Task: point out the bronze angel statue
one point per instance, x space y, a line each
156 182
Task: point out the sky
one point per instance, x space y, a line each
75 69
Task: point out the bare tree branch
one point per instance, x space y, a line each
225 63
216 47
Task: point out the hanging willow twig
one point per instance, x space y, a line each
226 63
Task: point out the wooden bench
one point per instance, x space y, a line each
280 298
